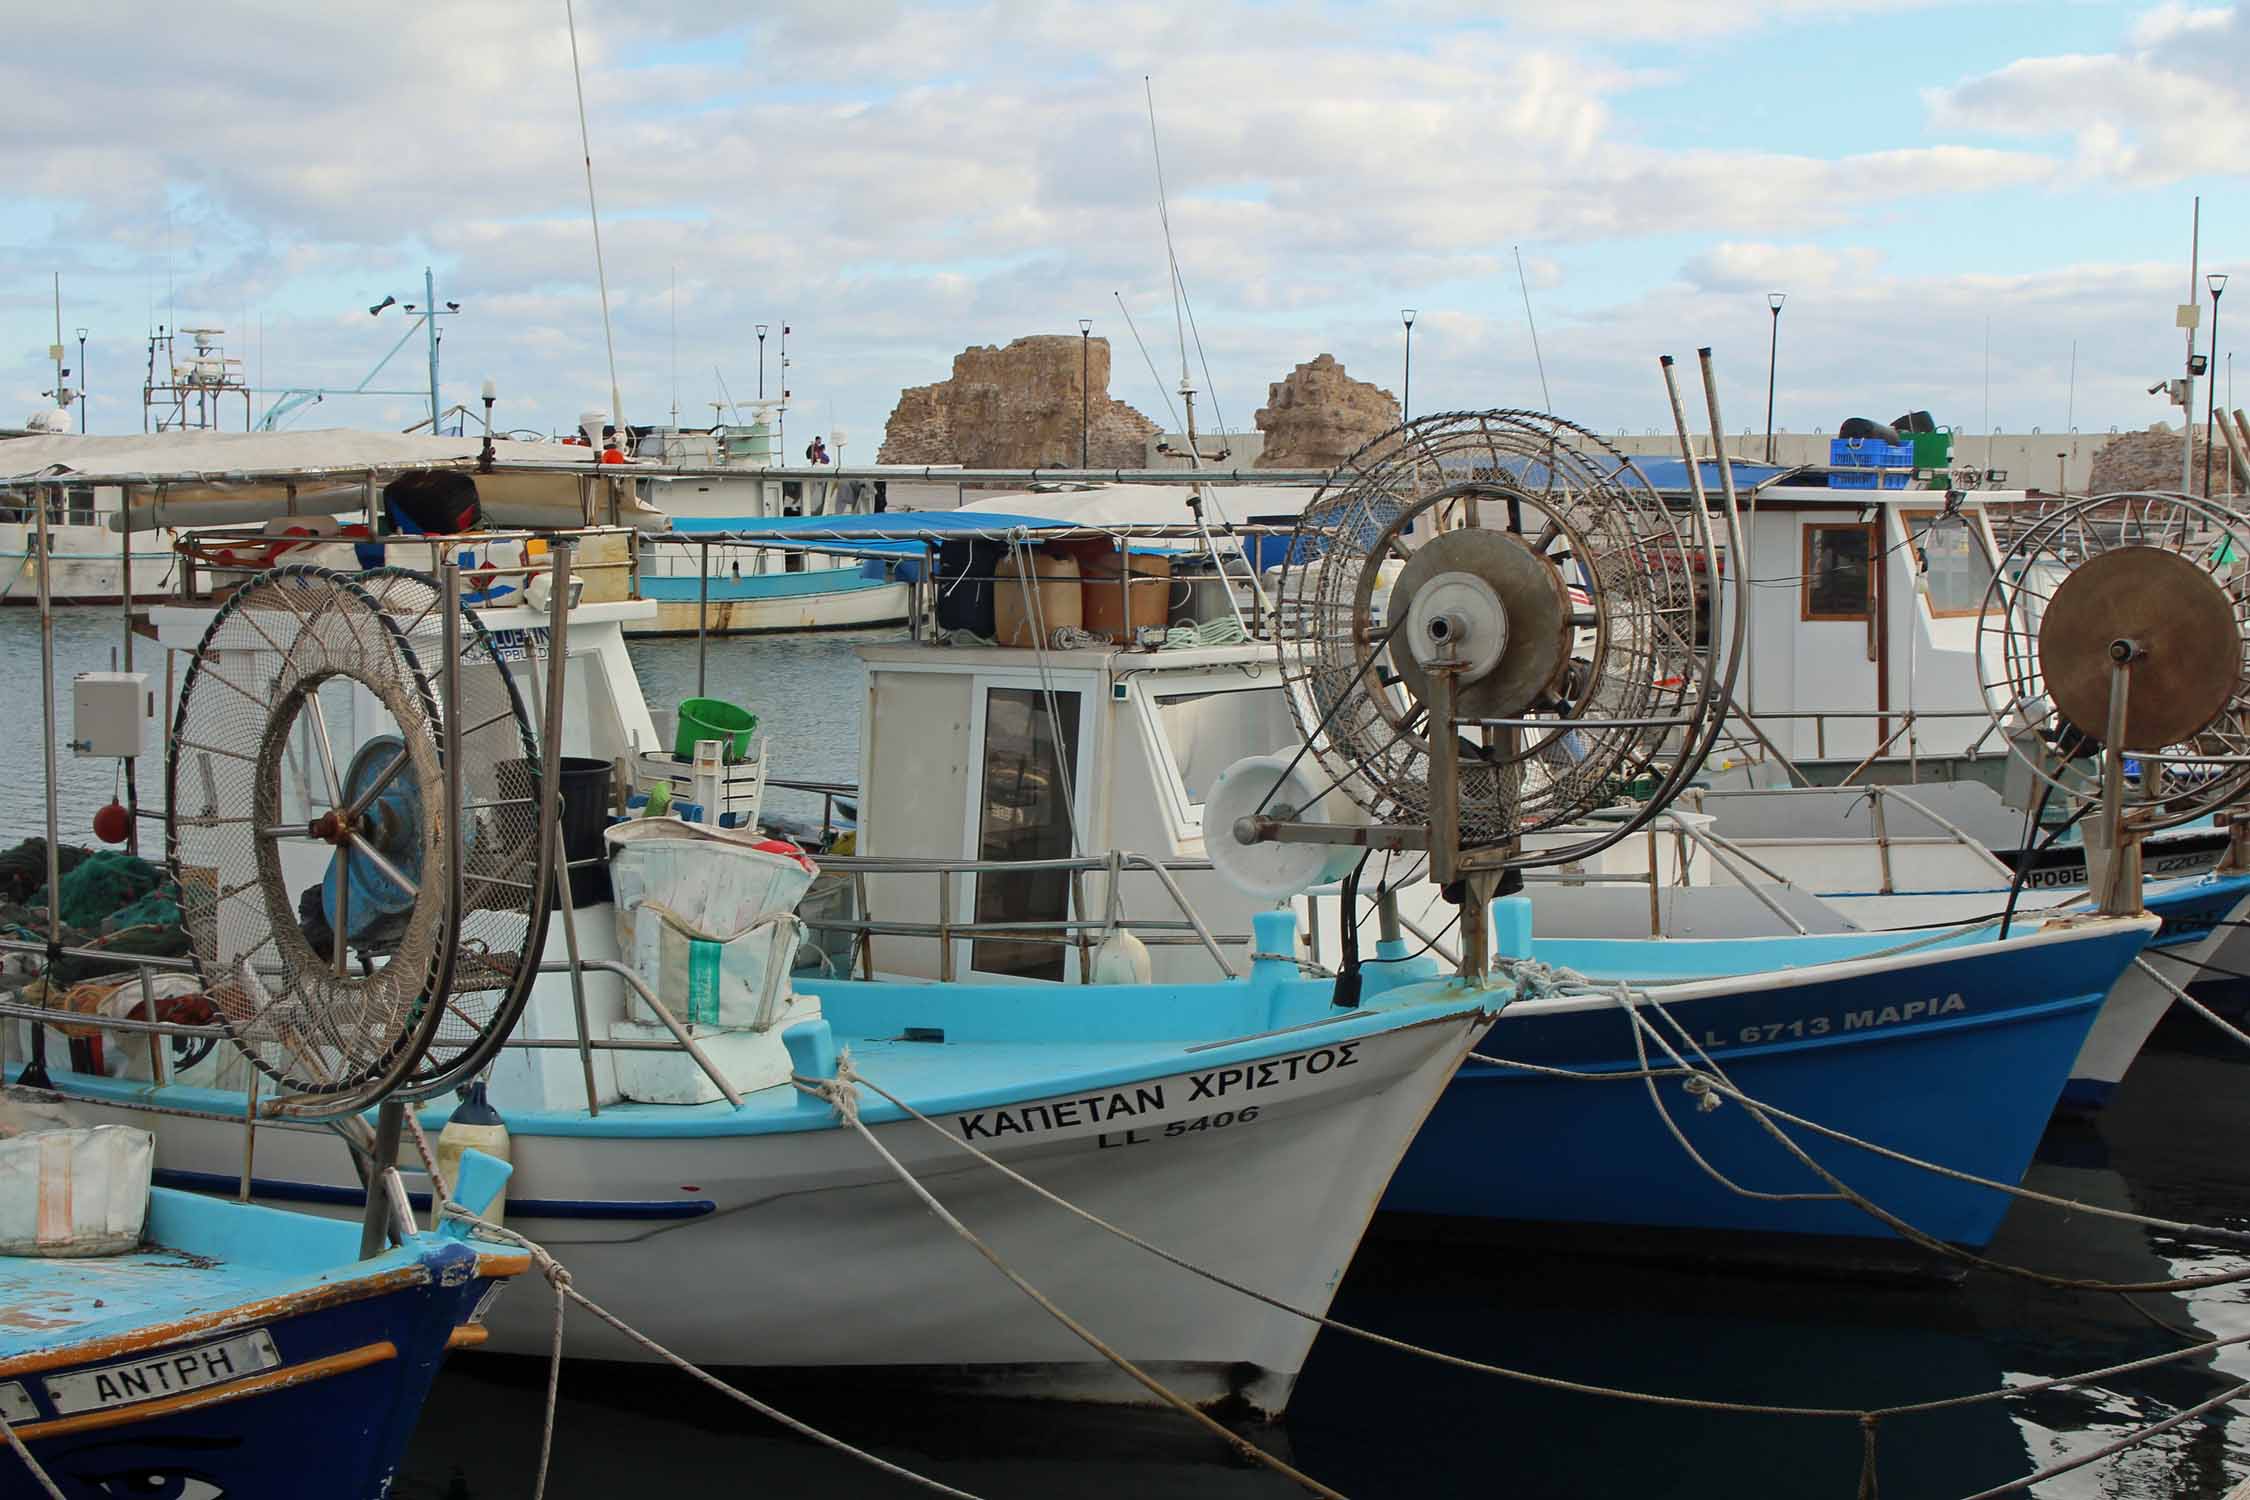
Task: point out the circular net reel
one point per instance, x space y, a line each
318 894
1537 560
2157 580
502 917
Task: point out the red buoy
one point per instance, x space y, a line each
113 823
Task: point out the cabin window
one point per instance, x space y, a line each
1030 738
1207 732
1953 557
1837 579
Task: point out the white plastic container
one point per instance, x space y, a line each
709 917
70 1193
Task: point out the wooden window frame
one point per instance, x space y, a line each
1866 611
1907 520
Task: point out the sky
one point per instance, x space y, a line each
1982 210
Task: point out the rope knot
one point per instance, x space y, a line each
1699 1088
841 1093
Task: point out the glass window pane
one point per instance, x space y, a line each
1958 569
1208 732
1836 571
1025 816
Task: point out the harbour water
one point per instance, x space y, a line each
1376 1423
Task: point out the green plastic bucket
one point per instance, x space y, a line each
713 719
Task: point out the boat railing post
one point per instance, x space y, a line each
863 939
1655 905
945 924
1881 827
1180 900
663 1013
375 1220
249 1135
35 1074
553 860
702 617
1082 934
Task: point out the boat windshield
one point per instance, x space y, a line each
1209 731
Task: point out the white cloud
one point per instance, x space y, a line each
899 181
2173 103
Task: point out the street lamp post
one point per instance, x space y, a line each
761 361
82 382
1406 386
1085 386
1773 349
2216 281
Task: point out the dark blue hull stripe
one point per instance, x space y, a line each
274 1191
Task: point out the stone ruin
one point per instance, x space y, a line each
1019 408
1317 416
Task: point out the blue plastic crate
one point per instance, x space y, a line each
1870 453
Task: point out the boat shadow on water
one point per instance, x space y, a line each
1375 1422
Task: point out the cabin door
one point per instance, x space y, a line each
1838 662
1027 800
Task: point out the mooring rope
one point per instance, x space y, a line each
840 1094
1867 1419
46 1481
2193 1004
558 1276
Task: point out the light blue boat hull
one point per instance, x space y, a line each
1957 1060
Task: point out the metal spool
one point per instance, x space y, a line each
502 919
1536 567
324 919
2157 582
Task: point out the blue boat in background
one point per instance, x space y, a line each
242 1352
1955 1051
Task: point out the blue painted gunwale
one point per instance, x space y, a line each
359 1343
1971 1087
677 590
1004 1044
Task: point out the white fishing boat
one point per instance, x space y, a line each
1248 1124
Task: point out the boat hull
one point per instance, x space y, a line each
2199 920
1954 1060
802 1249
327 1396
773 603
86 567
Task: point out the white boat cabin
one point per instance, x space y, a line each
1863 605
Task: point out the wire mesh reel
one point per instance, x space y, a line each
320 898
2150 587
1534 569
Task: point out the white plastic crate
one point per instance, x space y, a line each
734 792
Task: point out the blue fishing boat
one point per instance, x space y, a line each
242 1351
1955 1052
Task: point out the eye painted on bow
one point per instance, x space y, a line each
156 1484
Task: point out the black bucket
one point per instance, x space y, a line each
585 815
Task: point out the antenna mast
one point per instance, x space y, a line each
601 277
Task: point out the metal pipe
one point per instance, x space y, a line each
702 617
250 1138
374 1223
34 1073
1172 887
679 1032
553 872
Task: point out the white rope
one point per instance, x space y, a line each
1765 1115
2188 1000
1460 1362
841 1092
559 1277
46 1481
1718 1085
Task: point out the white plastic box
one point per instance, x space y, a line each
109 713
68 1193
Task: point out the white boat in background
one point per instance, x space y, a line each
731 590
90 562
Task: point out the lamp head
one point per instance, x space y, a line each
2217 281
761 330
452 307
378 307
81 335
1775 299
1407 315
1086 327
491 391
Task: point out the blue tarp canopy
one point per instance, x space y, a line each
1670 475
